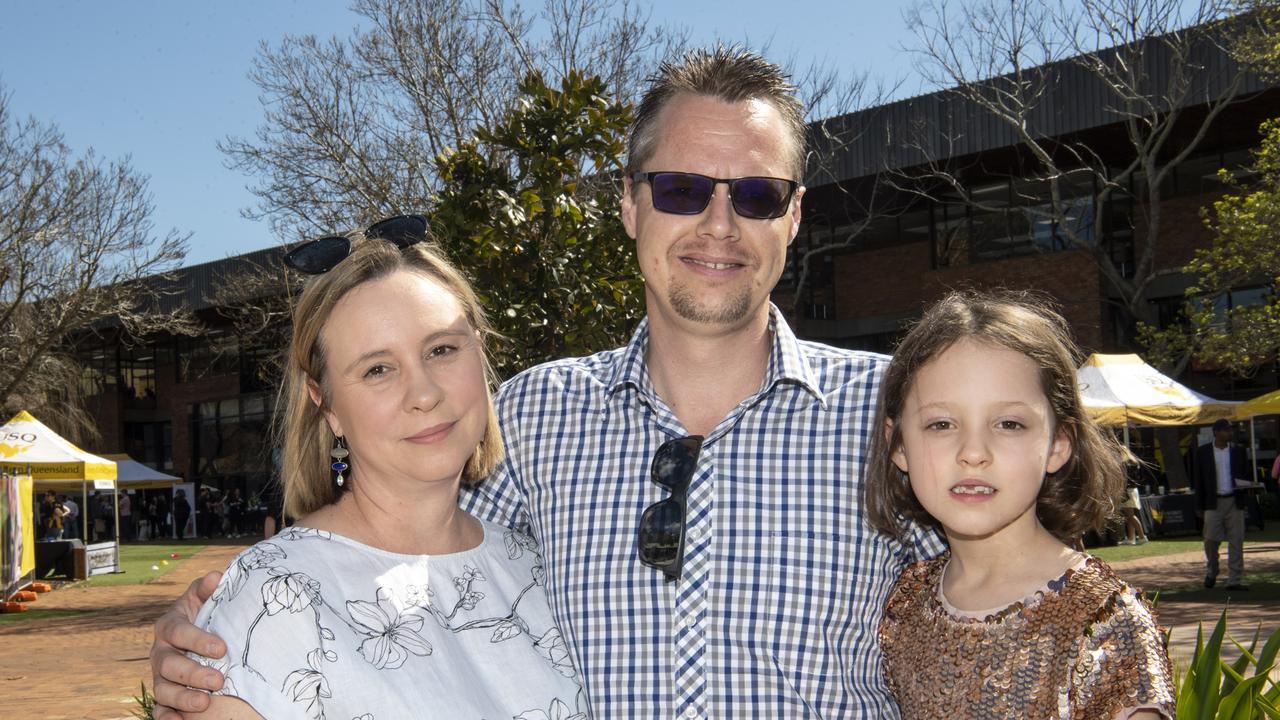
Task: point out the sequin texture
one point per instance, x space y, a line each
1087 646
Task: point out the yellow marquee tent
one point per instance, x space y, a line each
29 447
26 444
1268 404
1124 390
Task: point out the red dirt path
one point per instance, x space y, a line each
89 666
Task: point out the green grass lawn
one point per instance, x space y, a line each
36 613
136 560
1185 543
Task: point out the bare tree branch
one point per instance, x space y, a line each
1148 61
75 241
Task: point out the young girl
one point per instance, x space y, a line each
985 438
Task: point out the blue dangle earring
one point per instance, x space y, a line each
339 454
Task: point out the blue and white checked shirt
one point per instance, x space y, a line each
781 596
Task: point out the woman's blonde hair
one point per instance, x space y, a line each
304 434
1081 495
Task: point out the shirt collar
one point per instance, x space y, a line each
787 362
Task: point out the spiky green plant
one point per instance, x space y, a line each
1212 689
146 704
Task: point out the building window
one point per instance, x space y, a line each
1238 297
1011 218
213 354
138 373
98 370
1029 224
230 441
150 443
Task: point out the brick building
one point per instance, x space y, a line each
199 407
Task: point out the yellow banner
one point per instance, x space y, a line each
25 490
62 471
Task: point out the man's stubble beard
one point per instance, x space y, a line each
728 312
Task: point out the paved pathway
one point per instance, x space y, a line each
88 667
1244 614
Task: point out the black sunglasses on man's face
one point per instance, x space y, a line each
319 256
682 193
660 536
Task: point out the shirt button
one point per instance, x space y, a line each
691 712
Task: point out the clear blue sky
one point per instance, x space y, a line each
162 82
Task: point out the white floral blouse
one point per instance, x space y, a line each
320 626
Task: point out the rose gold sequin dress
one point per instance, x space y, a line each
1085 647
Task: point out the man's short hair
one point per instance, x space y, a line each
730 74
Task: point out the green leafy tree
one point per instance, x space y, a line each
529 207
1245 251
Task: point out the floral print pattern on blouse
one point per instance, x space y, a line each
320 626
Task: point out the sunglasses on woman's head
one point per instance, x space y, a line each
319 256
660 537
681 193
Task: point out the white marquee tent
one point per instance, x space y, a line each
1123 390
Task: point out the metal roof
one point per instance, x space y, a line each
194 287
944 124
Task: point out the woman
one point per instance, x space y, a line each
386 600
53 513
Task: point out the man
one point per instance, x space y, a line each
71 523
1218 467
729 575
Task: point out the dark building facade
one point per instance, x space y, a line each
195 406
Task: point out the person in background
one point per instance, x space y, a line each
52 514
204 513
104 518
1130 507
1218 467
235 513
1273 483
153 519
71 523
163 516
126 517
181 513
